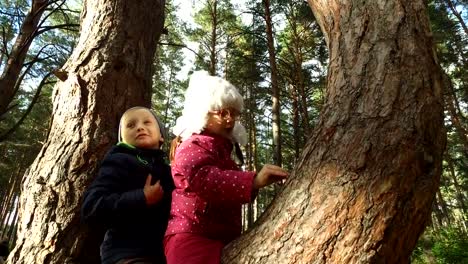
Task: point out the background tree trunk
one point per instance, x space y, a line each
363 188
275 89
16 58
109 71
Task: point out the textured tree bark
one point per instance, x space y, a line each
363 188
109 71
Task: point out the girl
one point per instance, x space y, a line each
209 186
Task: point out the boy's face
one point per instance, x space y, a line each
140 129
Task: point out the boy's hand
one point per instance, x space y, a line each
268 175
153 193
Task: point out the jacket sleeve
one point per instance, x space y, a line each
198 168
105 202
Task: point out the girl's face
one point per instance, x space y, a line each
140 129
221 122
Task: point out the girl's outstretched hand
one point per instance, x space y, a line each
269 174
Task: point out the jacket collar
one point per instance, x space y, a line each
126 148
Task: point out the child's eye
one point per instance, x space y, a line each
147 122
130 125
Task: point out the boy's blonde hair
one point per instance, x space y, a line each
207 93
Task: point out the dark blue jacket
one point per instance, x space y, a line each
116 201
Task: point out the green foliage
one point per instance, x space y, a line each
445 246
451 43
32 106
168 86
451 247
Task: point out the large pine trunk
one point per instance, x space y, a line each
363 188
109 71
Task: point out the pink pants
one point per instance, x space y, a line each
186 248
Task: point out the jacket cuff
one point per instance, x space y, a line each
133 199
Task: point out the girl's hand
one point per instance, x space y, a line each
268 175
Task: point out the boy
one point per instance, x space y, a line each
131 195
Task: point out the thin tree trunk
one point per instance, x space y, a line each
461 199
169 95
295 112
445 211
451 102
437 213
297 54
213 40
11 207
363 188
6 211
276 125
5 198
14 223
252 155
18 53
109 71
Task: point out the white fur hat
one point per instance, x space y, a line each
207 93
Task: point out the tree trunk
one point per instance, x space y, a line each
437 214
461 199
444 210
455 116
109 71
13 67
363 188
13 191
6 192
213 6
295 113
275 111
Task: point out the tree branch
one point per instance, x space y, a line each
28 110
182 46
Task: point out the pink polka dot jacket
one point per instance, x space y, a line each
210 189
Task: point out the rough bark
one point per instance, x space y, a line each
363 188
109 71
